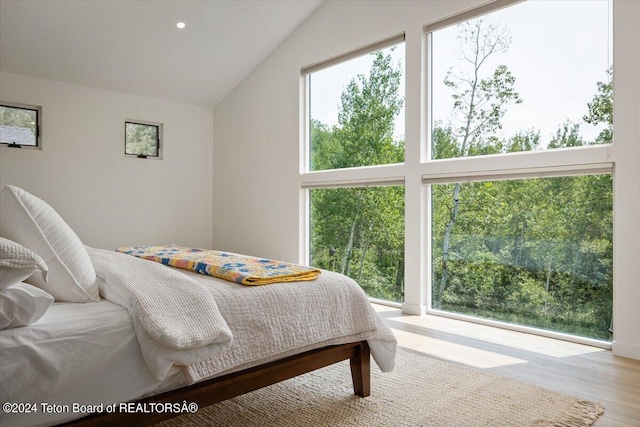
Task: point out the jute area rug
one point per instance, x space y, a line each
421 391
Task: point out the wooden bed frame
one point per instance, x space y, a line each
225 387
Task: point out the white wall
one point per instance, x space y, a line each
256 143
256 134
108 199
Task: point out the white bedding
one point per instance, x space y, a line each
89 353
267 322
176 320
84 353
274 321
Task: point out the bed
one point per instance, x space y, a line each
100 352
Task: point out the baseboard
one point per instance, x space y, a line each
624 350
418 310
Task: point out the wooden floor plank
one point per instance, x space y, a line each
587 372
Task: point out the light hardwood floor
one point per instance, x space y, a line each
586 372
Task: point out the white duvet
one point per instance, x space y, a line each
265 323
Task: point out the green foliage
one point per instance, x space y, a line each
364 134
18 117
601 109
479 102
360 231
522 141
141 139
567 136
537 252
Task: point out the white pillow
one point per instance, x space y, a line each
22 304
34 224
17 263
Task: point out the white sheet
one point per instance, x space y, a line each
84 353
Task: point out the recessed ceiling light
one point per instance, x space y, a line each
181 25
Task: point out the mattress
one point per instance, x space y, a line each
75 353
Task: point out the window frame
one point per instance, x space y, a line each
362 176
35 108
420 171
159 144
585 160
305 90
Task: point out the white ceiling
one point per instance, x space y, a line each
135 47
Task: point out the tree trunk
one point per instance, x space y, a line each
445 246
347 253
518 243
456 191
546 295
362 258
400 273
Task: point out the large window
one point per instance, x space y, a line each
535 252
19 125
501 84
355 120
356 111
506 172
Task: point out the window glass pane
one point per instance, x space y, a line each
18 126
356 112
533 76
141 139
359 232
535 252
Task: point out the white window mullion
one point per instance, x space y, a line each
363 176
537 163
504 174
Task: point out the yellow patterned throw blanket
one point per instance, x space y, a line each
236 268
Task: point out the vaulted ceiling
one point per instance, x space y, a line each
135 46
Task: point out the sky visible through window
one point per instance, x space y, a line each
559 51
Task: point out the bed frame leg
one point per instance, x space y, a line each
361 371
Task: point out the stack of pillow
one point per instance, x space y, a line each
20 304
39 248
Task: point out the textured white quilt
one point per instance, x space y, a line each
267 322
176 320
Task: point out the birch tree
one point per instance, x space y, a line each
480 101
